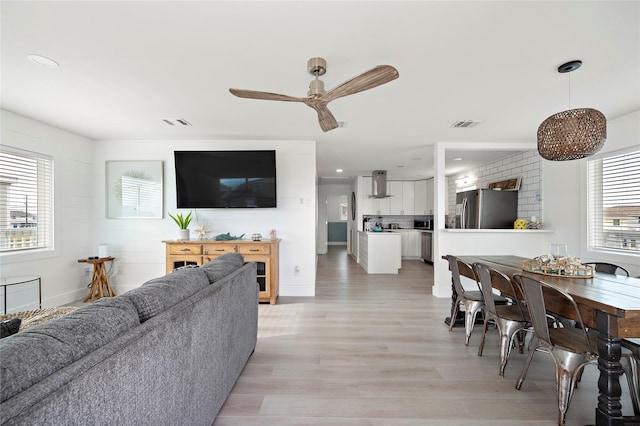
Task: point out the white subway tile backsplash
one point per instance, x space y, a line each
525 165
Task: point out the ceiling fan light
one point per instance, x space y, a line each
572 134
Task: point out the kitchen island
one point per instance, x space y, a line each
380 252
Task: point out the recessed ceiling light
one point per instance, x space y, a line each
400 165
417 159
43 61
338 170
457 159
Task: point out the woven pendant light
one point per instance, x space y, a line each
572 134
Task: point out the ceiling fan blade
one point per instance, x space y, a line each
325 118
266 96
368 80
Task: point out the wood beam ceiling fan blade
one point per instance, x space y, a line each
266 96
368 80
326 119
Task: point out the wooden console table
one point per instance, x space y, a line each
199 252
99 279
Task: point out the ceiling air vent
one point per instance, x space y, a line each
176 121
466 123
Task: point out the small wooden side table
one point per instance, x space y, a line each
99 279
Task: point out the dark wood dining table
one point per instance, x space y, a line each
608 303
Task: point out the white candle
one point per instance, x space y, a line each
534 219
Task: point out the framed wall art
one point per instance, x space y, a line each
134 189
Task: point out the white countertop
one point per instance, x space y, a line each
514 231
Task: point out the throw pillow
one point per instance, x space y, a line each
9 327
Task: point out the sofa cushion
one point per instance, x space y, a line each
158 294
222 266
33 354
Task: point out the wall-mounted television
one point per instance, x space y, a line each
225 179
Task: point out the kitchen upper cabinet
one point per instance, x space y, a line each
371 206
402 194
420 197
430 193
380 206
363 204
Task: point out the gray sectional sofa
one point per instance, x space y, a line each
166 353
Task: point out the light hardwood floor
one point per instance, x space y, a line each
374 350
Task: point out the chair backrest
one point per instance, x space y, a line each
457 268
484 275
535 292
609 268
488 277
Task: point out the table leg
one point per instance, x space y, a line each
609 410
94 284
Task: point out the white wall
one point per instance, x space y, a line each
137 243
63 278
565 195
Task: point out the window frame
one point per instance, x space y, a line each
596 196
49 249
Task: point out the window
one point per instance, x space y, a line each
614 202
26 200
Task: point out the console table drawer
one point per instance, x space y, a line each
217 249
185 249
252 248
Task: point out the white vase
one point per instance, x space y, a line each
183 234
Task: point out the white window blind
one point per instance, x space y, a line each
614 202
26 200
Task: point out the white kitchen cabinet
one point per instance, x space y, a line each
411 243
364 205
401 200
408 195
414 247
420 197
379 206
430 193
394 188
371 206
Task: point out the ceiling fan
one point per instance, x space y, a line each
317 98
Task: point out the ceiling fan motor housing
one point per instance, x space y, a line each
316 87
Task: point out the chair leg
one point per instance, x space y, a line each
472 308
630 367
454 314
525 368
484 335
508 331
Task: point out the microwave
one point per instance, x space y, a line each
423 224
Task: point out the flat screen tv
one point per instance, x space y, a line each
225 179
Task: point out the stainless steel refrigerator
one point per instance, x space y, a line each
486 209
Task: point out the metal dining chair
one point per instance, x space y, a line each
570 348
510 319
630 362
472 300
608 268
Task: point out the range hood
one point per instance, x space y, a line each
379 184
